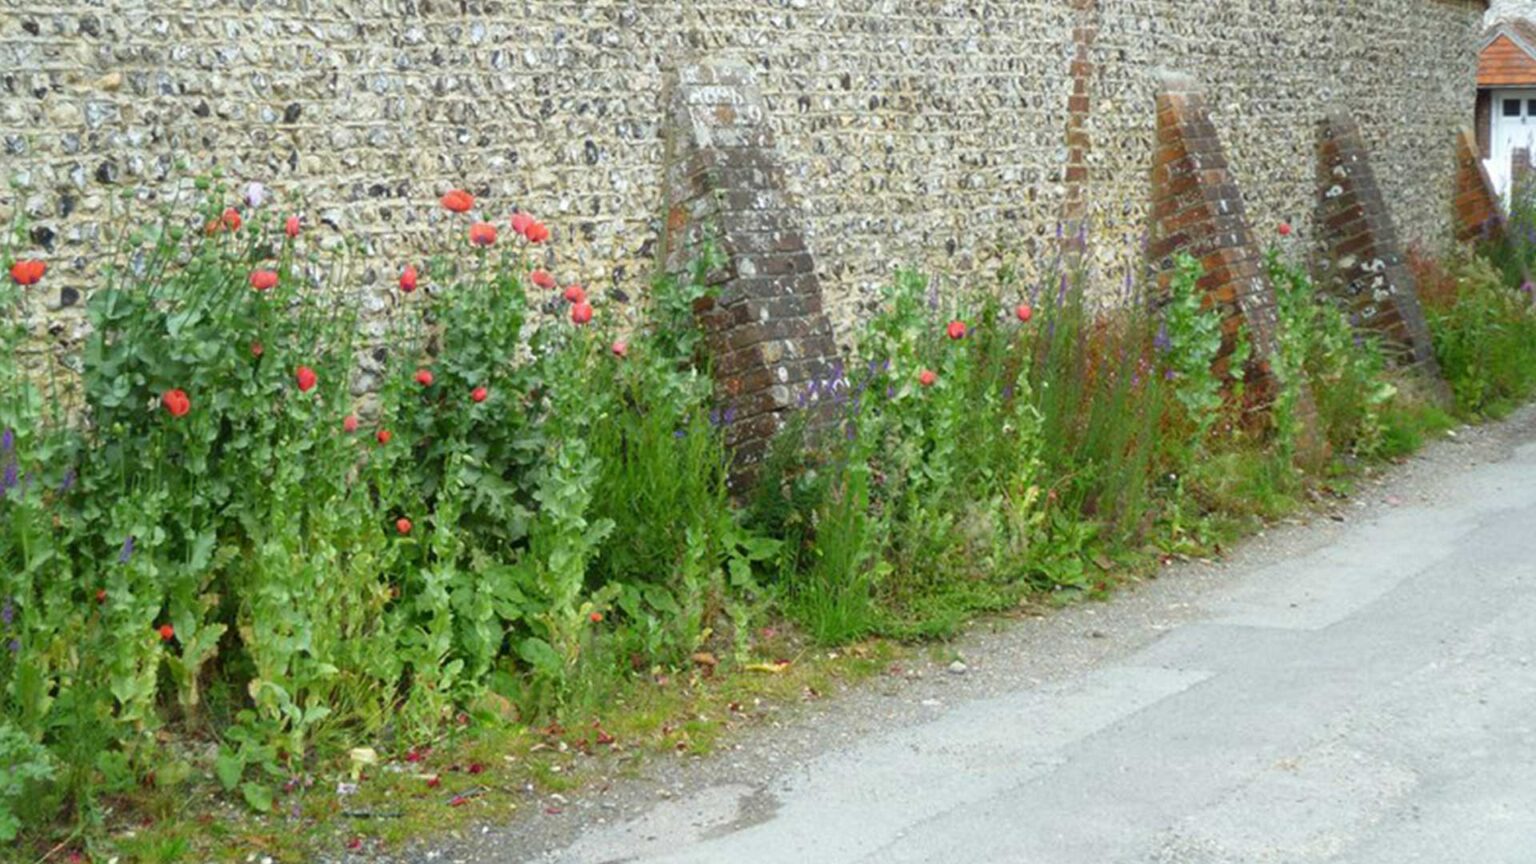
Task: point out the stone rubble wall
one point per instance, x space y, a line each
1503 10
926 133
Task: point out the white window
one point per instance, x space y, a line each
1513 129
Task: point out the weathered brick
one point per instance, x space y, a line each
1361 263
768 332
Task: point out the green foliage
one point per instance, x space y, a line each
1484 334
1345 367
198 533
1191 338
27 764
1512 252
205 531
1032 445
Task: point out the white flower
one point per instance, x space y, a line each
255 193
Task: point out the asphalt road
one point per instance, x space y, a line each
1358 691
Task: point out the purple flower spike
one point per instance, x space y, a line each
7 441
14 646
8 612
127 551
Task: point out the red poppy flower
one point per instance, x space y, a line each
424 377
231 219
291 227
1024 313
521 222
595 617
620 348
383 436
458 201
475 768
306 378
537 233
101 595
257 349
434 781
177 402
29 271
542 279
167 632
581 313
1285 229
927 377
355 843
403 525
263 280
575 294
482 234
349 423
408 278
479 395
956 329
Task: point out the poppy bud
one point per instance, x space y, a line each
28 272
482 234
458 201
176 402
263 280
291 227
